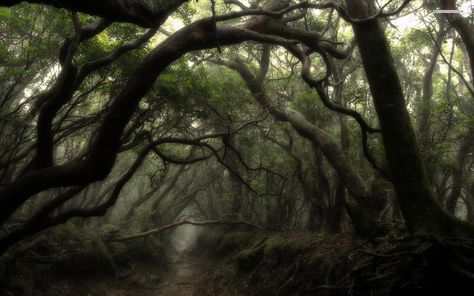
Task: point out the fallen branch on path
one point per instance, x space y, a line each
183 222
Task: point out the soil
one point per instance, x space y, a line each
187 276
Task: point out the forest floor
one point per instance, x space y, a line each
187 276
237 263
184 274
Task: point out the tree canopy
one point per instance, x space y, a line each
332 116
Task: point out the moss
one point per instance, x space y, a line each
250 257
147 249
284 249
144 279
248 249
281 263
225 244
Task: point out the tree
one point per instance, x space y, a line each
129 119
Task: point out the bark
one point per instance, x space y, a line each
421 210
104 148
157 199
61 92
315 218
458 172
184 222
363 208
316 191
337 210
145 13
237 187
470 203
424 118
42 219
462 26
308 180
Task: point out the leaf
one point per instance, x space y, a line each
5 12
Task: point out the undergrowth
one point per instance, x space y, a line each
266 263
67 253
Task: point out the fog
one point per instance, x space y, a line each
184 237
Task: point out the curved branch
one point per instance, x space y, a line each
145 13
330 149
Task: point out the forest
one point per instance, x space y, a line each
236 147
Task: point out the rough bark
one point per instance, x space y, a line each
421 210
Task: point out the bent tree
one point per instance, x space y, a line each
119 126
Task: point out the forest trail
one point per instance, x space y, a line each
182 279
185 273
195 276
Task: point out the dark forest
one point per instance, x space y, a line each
227 147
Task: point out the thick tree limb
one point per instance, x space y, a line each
421 210
106 144
363 209
61 91
145 13
462 26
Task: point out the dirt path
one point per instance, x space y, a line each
187 276
183 278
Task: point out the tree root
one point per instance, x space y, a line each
416 265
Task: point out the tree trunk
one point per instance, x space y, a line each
425 108
363 208
420 208
458 171
462 26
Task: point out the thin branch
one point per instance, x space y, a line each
184 222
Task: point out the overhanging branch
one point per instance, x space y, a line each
189 222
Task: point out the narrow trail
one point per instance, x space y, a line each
186 274
183 277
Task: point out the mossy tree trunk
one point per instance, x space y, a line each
458 171
420 208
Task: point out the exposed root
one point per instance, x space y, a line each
423 265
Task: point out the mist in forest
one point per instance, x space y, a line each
226 147
184 237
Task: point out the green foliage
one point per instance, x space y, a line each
194 97
147 250
5 12
73 251
225 243
250 257
420 37
248 248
